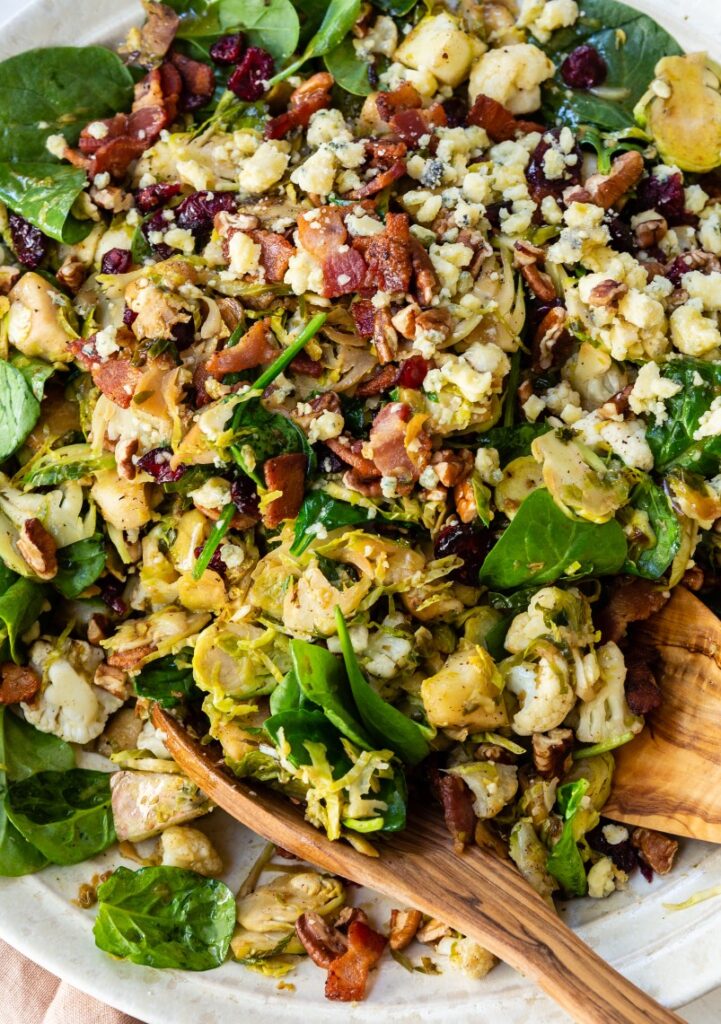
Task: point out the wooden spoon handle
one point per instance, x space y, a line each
478 894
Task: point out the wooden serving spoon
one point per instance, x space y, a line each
476 893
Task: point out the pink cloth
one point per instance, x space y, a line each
31 995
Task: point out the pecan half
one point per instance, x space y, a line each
38 549
465 500
321 941
552 341
539 282
385 337
432 930
452 466
71 274
17 683
125 449
551 751
606 189
607 293
403 927
656 849
650 230
525 253
97 629
113 680
132 657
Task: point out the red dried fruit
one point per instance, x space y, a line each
196 212
622 854
111 590
156 463
465 541
664 195
539 184
244 495
29 243
228 49
116 261
584 68
152 197
249 78
456 111
412 372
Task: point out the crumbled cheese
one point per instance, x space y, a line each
327 425
97 130
533 407
692 333
488 466
551 211
709 231
704 287
105 343
695 199
232 555
180 238
327 126
424 206
389 486
601 881
56 145
381 38
428 478
213 494
543 17
448 260
304 274
650 391
614 834
317 173
396 74
244 254
627 439
710 423
264 168
363 226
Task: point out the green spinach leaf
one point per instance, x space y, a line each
288 696
672 442
631 43
339 18
20 606
66 815
543 545
19 409
168 680
17 856
511 442
300 726
271 24
79 565
7 578
322 679
652 560
564 861
44 194
396 8
386 724
266 433
330 513
27 751
347 68
165 917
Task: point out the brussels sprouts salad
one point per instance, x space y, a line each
360 388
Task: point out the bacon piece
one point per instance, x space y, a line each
363 313
632 599
348 973
322 231
117 379
198 81
381 181
388 441
388 256
305 365
343 273
382 380
312 95
285 473
412 125
275 253
498 121
351 454
253 349
405 97
19 683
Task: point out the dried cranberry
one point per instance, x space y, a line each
456 111
184 334
156 463
412 372
216 563
111 590
157 223
622 238
197 211
249 78
152 197
116 261
465 541
645 869
664 195
539 184
228 49
129 316
328 460
29 243
622 854
584 68
493 213
678 267
244 495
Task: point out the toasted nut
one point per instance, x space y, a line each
347 916
650 229
18 683
132 657
403 928
465 501
38 549
322 943
405 320
494 752
355 481
112 679
385 336
540 283
97 629
437 319
125 449
552 341
617 405
432 930
656 849
606 189
693 578
71 274
525 253
8 277
452 466
111 198
607 293
551 751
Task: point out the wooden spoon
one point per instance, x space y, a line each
669 777
477 893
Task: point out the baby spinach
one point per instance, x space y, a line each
7 577
330 513
265 433
288 696
653 560
79 84
79 565
672 441
564 861
168 680
271 24
19 409
300 726
386 724
17 855
20 607
340 16
27 751
66 815
322 679
396 8
165 917
631 43
543 545
511 442
347 68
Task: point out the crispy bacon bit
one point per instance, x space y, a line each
632 600
253 349
275 253
403 927
348 974
384 152
425 275
303 364
457 803
322 943
354 481
17 683
284 473
131 658
381 181
117 379
198 81
405 97
363 313
656 849
388 256
312 95
343 273
393 453
322 231
384 378
351 454
498 121
412 125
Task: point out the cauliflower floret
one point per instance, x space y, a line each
466 693
492 785
182 847
467 956
543 17
606 715
545 609
70 706
386 653
693 333
543 688
439 45
512 75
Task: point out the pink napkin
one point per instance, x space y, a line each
31 995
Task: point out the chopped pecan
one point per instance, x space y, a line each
38 548
551 752
347 916
348 974
607 293
112 679
97 629
694 578
632 599
253 349
432 930
426 280
525 253
436 319
452 465
606 189
327 402
656 849
18 683
131 657
71 273
403 927
480 247
284 473
552 342
125 449
539 282
321 941
642 691
404 320
457 803
465 500
495 753
385 337
381 381
650 228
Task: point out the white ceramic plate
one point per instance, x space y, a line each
672 955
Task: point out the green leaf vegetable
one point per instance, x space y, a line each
168 681
564 861
340 16
631 43
672 442
330 513
288 696
322 679
165 917
543 545
79 565
348 70
511 442
72 462
20 606
79 85
270 24
298 726
651 556
19 409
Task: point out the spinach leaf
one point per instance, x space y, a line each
19 409
79 565
265 433
322 680
288 696
35 372
72 462
20 606
7 578
564 861
653 561
27 751
672 442
66 815
396 8
340 16
386 724
17 856
543 545
271 24
330 513
631 43
347 68
511 442
79 84
168 680
300 726
310 14
165 917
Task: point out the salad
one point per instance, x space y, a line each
360 388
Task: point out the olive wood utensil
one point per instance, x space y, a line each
477 893
669 777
